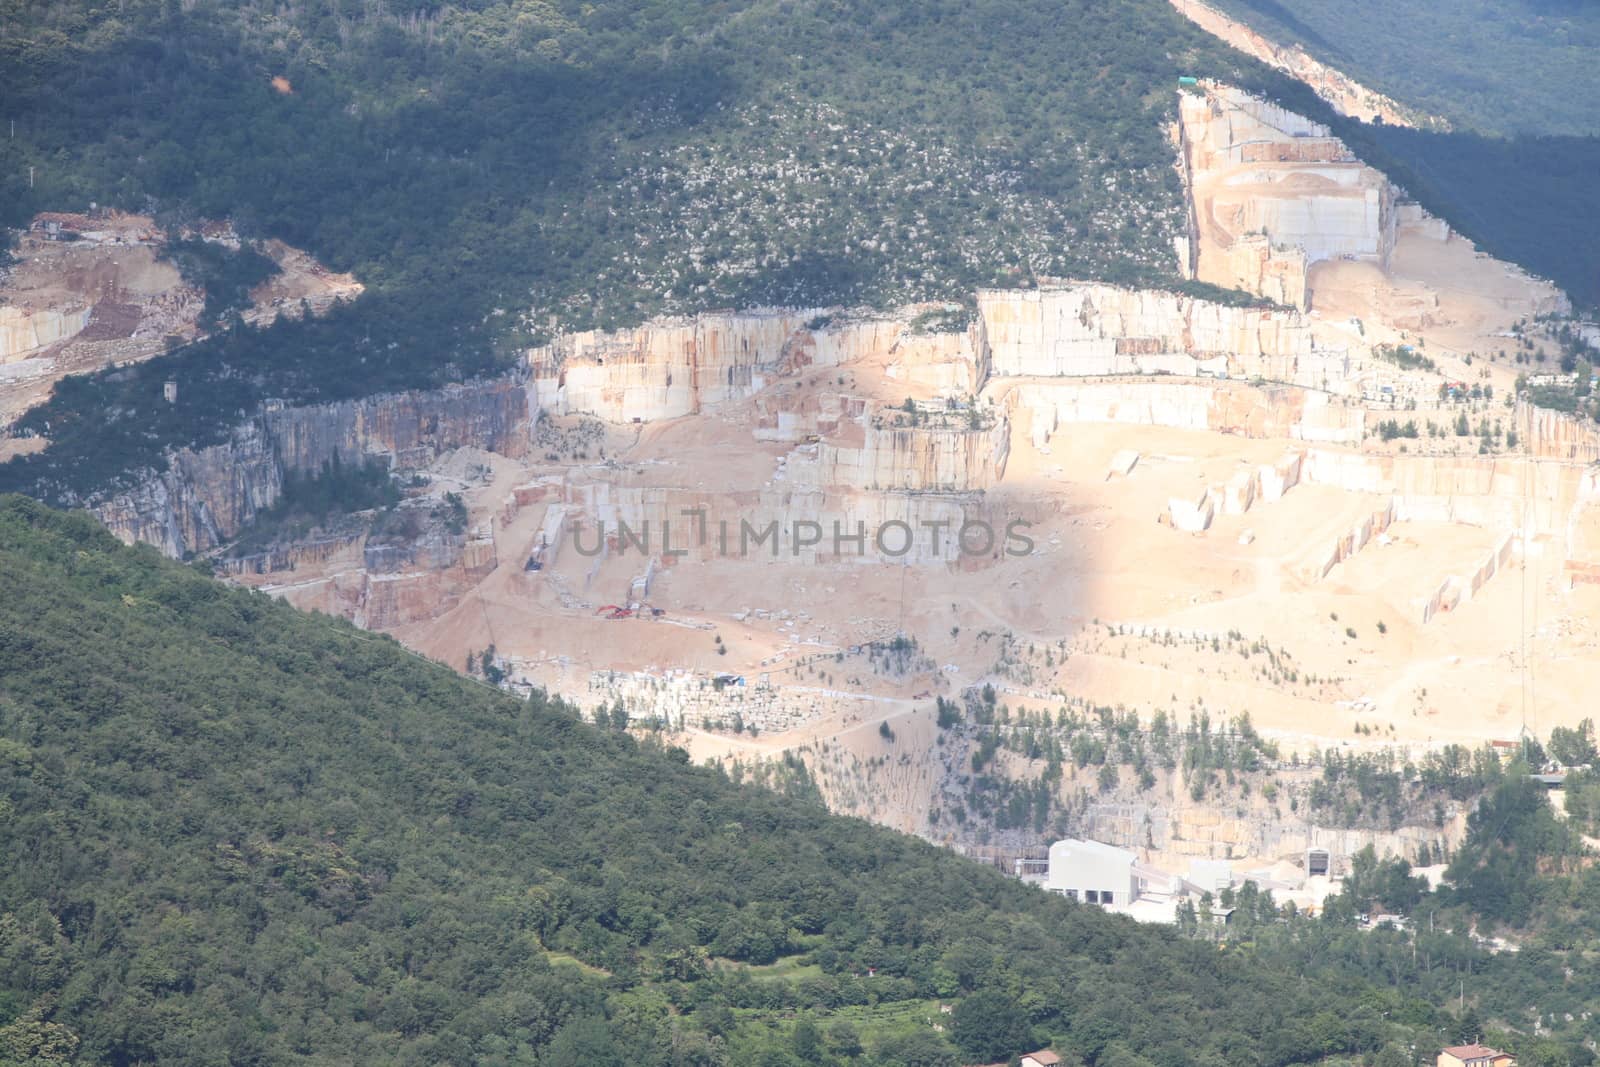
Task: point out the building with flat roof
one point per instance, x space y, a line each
1092 872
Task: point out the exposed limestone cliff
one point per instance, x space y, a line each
923 459
1272 192
1556 435
315 550
416 569
203 498
1230 407
409 429
1280 207
24 331
207 496
1495 492
1089 330
673 367
1178 831
664 368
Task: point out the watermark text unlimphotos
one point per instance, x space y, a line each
774 538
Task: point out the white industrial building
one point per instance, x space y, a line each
1210 876
1092 872
1114 878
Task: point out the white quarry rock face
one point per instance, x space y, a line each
1273 192
663 369
23 331
1278 478
1192 405
1470 490
673 367
1088 330
907 458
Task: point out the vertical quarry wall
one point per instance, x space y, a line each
917 459
673 367
1086 330
1273 192
664 368
1554 435
1456 588
407 429
1232 407
207 495
1353 541
1494 492
23 332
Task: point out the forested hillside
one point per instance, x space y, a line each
496 171
235 833
603 161
1502 67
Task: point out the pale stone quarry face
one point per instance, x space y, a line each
789 530
1152 505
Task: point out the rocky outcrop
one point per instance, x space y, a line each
301 286
1229 407
668 368
413 566
24 331
1272 192
1084 330
206 496
408 429
918 459
314 550
1174 833
665 368
1496 492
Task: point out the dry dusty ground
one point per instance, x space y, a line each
136 302
1114 605
1102 562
